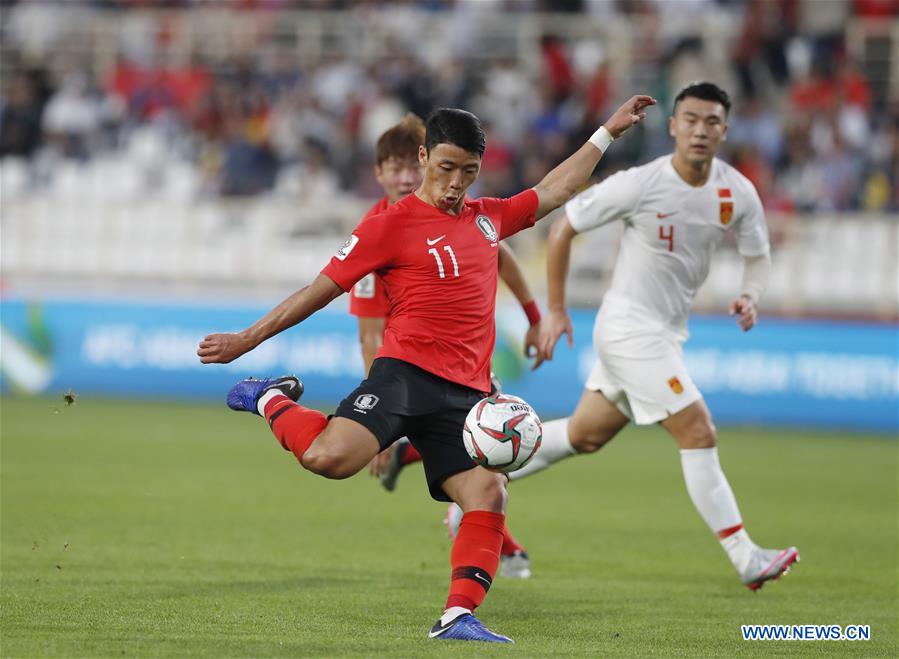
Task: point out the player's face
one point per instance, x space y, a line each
449 172
399 176
698 128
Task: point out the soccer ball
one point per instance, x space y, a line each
502 433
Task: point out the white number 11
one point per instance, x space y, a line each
452 255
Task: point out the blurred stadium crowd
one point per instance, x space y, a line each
260 99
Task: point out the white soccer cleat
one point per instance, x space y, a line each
515 566
768 565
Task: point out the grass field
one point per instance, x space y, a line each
147 529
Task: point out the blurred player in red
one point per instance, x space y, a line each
676 210
399 172
437 254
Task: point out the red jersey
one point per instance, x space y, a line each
441 271
368 298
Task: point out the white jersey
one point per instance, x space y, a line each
671 231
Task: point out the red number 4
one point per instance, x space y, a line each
667 236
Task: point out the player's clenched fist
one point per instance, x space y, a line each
222 348
629 114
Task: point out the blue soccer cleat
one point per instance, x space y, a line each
245 394
466 628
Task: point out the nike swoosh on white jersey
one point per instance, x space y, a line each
436 240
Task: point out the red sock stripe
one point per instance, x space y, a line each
410 455
295 426
475 557
725 533
510 544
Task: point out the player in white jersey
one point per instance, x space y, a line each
676 211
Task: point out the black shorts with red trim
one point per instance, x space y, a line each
399 399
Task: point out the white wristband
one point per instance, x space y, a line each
601 139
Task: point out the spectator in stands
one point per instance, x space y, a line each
20 118
73 116
249 166
252 112
756 123
761 45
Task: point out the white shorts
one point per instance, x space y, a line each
641 370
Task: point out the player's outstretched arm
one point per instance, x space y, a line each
512 276
756 273
224 348
558 256
563 182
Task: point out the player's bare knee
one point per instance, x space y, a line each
588 440
700 435
491 494
329 465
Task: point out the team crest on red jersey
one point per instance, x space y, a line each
487 228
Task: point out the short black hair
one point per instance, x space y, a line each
455 126
706 91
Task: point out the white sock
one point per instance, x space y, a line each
265 398
452 613
713 498
739 548
554 447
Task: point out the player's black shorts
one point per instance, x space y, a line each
399 399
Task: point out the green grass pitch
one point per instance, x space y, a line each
151 529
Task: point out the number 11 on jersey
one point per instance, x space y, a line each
449 250
667 236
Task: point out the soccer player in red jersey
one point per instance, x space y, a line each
399 172
437 253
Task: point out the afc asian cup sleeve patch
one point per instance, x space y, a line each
365 287
347 247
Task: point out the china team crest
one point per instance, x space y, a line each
676 386
487 228
726 209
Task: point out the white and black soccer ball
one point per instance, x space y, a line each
502 432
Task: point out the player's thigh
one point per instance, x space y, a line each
649 371
437 435
595 422
342 449
381 402
477 489
370 418
438 438
692 426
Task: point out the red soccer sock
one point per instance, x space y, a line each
410 455
475 558
295 426
510 544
